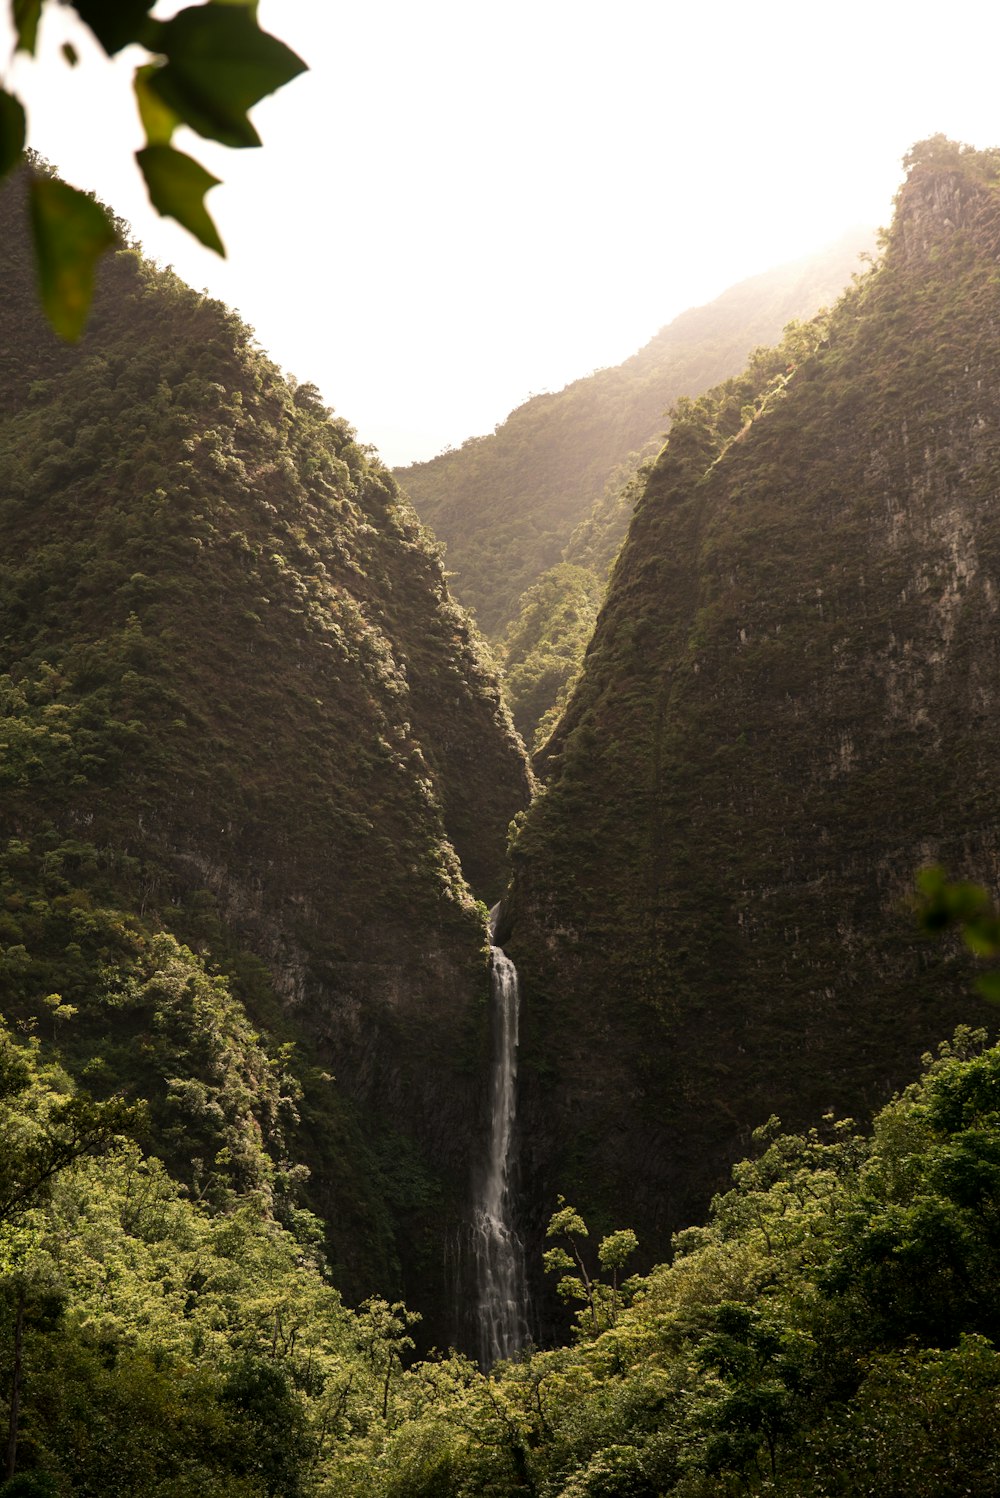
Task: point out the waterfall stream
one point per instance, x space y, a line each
501 1297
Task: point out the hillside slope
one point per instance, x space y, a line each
506 504
786 709
235 679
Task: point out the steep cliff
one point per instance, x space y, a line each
236 681
506 504
786 709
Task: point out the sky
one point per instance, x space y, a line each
461 205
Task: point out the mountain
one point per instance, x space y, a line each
243 717
506 504
787 708
255 771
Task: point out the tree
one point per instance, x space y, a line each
600 1301
44 1130
208 65
756 1366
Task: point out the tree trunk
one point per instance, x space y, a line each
15 1388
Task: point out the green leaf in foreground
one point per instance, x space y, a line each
27 14
177 185
989 986
12 131
219 64
158 120
70 231
115 23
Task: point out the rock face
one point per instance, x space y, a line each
234 670
789 705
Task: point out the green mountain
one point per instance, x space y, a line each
785 711
507 504
256 773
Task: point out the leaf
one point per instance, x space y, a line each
177 185
989 986
26 18
71 231
115 23
219 64
980 938
944 901
26 15
12 131
158 120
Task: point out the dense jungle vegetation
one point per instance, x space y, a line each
831 1330
240 709
783 714
255 776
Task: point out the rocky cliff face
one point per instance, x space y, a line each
234 672
787 708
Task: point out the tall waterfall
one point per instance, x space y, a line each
501 1297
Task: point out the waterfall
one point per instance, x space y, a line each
501 1297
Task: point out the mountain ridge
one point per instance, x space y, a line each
505 504
798 631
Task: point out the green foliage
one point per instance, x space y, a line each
211 63
780 717
543 648
177 187
71 232
752 1364
944 903
600 1300
12 131
938 152
171 1345
217 63
144 1017
44 1127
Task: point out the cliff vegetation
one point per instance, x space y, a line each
784 712
256 774
240 709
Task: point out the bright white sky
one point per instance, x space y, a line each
460 204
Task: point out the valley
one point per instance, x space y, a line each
677 1172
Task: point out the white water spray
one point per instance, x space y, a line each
501 1298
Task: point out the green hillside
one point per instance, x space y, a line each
784 712
256 781
241 713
